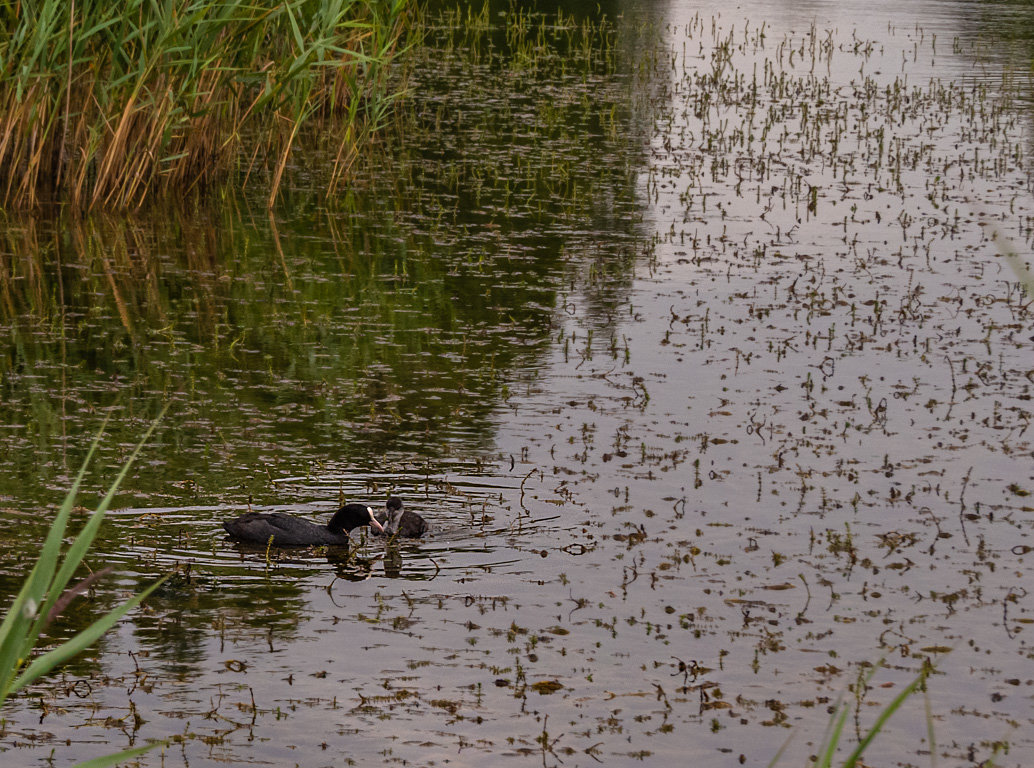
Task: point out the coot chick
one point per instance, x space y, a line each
290 531
403 522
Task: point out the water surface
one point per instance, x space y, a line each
687 331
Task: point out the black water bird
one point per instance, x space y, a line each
403 522
290 531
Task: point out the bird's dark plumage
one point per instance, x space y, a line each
290 531
402 522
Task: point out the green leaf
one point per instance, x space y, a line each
884 715
81 641
82 543
118 757
16 641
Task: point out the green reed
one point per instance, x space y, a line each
46 593
834 735
108 105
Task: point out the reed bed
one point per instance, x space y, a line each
110 105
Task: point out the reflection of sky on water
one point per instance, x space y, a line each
925 39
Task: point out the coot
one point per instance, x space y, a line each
290 531
402 522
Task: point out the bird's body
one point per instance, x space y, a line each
283 530
403 522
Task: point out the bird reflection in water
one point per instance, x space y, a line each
392 561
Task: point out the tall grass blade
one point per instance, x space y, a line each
883 717
26 606
81 641
45 586
118 757
931 737
75 554
832 741
779 753
26 618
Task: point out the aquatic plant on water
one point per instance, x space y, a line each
46 593
110 104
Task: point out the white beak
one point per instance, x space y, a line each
373 521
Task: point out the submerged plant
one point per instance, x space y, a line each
46 593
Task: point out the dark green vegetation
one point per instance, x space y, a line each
106 105
685 335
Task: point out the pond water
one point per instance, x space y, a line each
688 329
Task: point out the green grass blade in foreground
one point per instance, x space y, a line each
779 755
75 554
883 717
832 738
25 619
835 726
81 641
930 735
118 757
25 608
